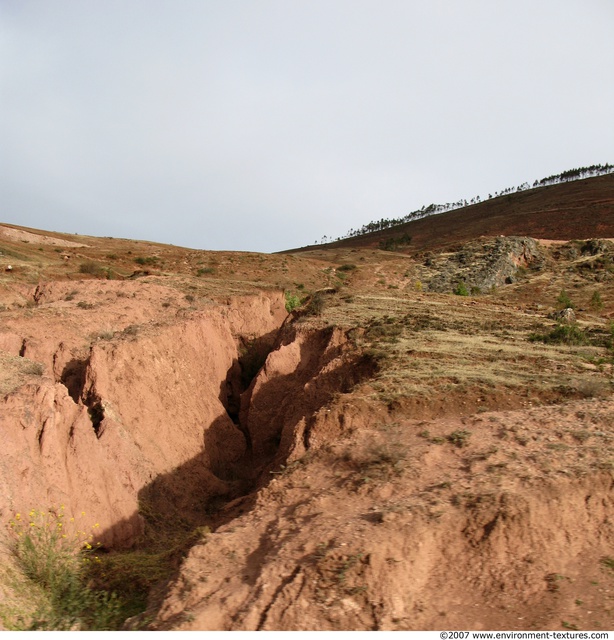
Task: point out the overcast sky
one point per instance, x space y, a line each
263 125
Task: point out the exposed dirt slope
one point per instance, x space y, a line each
109 411
420 525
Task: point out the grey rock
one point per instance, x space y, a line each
565 316
481 265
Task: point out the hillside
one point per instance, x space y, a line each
337 438
567 211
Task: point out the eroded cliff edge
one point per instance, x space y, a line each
110 411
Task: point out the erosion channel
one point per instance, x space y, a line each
155 430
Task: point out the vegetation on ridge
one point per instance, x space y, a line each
433 209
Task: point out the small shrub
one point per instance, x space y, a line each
380 461
564 300
205 271
569 334
91 268
147 260
316 305
459 438
111 256
292 301
103 335
392 244
34 368
346 267
84 305
475 291
131 330
596 301
461 289
592 388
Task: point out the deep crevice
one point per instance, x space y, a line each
252 356
73 378
95 411
177 506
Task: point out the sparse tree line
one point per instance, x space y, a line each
432 209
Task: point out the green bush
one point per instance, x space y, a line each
292 301
393 243
596 301
461 289
459 438
564 300
569 334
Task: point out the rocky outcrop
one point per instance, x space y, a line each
481 265
564 316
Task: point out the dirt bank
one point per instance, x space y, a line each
418 525
94 425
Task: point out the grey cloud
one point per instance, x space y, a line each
264 125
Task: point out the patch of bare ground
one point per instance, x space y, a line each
497 520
